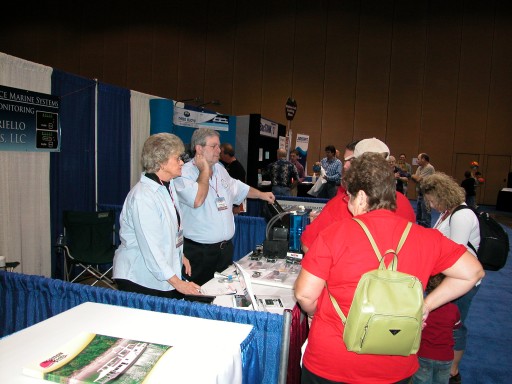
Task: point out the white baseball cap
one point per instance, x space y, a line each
371 145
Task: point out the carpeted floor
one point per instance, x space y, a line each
488 357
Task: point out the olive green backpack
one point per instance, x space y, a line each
385 317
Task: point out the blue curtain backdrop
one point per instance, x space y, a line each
114 132
72 184
27 300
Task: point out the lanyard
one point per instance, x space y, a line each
216 188
175 208
442 218
167 185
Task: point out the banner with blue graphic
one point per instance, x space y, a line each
301 145
29 121
186 117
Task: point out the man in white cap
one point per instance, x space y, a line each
337 208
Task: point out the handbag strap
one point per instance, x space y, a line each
394 264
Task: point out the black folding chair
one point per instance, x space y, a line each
89 246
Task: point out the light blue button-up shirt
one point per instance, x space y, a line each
206 224
148 255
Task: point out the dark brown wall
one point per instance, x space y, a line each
429 76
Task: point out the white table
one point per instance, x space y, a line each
215 285
204 351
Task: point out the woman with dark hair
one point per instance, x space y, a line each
342 253
444 195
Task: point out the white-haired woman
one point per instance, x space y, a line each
150 257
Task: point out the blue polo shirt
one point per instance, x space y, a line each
206 224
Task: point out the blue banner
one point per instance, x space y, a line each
29 121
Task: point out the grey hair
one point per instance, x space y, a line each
200 135
157 149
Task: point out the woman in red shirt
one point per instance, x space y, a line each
342 253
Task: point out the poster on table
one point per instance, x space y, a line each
29 121
301 145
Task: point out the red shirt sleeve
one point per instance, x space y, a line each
404 208
335 210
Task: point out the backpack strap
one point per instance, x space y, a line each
379 257
458 208
336 306
370 237
394 265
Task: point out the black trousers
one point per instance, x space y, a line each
205 259
130 286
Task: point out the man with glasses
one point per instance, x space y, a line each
206 202
337 208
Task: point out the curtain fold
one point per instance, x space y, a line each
249 232
113 138
24 182
72 173
299 331
27 300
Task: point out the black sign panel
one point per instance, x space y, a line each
290 108
29 121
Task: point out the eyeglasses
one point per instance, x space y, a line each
348 160
213 146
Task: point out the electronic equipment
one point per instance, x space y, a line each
283 236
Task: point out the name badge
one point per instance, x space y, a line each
221 203
179 238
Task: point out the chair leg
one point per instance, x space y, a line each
98 276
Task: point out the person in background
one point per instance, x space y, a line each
233 166
436 349
469 185
401 177
294 159
150 258
423 215
332 167
206 200
282 174
342 253
336 209
444 194
406 167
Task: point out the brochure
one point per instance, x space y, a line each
94 358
